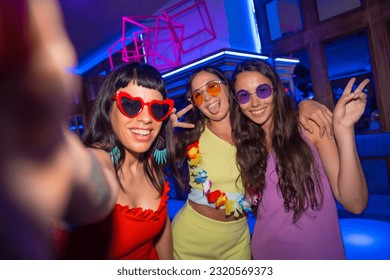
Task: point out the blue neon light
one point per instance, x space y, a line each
290 60
233 53
101 53
253 24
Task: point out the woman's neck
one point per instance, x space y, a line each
221 129
132 162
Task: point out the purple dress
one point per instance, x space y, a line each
315 236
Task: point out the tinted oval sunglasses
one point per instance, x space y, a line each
262 91
213 88
132 106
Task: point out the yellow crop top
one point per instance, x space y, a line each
213 174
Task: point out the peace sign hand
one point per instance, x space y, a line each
175 118
351 105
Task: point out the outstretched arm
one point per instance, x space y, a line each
312 113
95 188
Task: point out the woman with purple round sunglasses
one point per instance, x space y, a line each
295 174
262 91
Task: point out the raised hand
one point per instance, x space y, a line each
351 105
175 118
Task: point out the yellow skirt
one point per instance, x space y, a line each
196 237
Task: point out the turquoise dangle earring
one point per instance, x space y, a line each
115 154
160 152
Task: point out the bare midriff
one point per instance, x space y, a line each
213 213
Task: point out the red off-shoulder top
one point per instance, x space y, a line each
127 233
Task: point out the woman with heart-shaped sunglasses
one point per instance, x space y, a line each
131 135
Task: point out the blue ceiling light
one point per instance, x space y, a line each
247 18
253 25
91 60
231 53
288 60
100 54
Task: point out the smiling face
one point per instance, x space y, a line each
215 108
136 134
258 110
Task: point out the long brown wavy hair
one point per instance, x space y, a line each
298 177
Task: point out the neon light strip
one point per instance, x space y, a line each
89 63
238 54
253 24
290 60
101 54
96 57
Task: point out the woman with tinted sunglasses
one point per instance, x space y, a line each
131 134
288 168
213 223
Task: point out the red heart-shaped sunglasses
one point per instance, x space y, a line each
132 106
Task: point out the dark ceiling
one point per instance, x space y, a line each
93 23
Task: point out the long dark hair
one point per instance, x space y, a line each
295 161
101 135
187 136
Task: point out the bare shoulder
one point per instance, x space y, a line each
102 156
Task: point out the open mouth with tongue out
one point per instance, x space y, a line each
214 107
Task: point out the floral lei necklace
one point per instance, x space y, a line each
214 196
